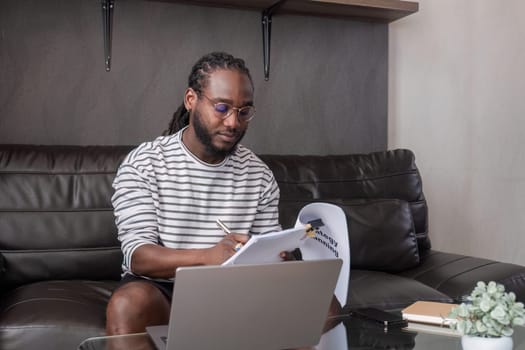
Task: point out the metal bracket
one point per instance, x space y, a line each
107 23
267 33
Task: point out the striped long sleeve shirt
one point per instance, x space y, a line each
165 195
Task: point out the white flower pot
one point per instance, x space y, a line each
479 343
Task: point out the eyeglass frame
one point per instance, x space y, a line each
231 109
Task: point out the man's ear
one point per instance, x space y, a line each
190 99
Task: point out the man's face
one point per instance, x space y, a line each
209 137
205 137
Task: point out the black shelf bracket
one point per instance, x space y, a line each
107 24
267 34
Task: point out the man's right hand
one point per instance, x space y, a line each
156 261
225 248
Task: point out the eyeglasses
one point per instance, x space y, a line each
223 110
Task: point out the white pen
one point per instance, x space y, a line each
227 231
223 226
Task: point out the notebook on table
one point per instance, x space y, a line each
430 312
260 306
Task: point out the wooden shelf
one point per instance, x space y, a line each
368 10
384 11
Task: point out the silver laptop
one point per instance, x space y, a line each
267 306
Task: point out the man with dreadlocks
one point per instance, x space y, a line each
169 193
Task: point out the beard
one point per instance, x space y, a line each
205 137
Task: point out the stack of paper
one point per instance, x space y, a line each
432 329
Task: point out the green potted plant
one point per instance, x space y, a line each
487 319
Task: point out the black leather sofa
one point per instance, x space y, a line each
60 259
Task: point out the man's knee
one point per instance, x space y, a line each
131 296
134 306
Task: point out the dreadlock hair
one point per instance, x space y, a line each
198 80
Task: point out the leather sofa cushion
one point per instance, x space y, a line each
386 291
59 314
56 217
381 232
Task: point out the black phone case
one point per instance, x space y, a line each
384 318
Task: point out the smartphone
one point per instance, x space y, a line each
381 317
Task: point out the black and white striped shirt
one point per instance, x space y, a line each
165 195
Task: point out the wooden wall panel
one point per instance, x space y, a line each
327 91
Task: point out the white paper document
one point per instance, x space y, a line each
330 240
326 241
265 248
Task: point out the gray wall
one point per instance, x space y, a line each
327 91
457 79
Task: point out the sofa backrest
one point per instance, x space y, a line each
356 177
56 218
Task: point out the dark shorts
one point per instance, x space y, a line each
165 287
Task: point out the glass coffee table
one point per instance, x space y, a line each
347 333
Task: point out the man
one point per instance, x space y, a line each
169 193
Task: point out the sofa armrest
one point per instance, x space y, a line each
456 275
